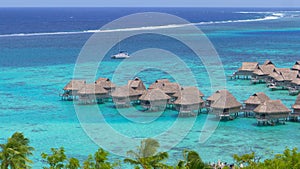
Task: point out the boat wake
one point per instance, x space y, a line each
268 16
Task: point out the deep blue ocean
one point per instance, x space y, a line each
39 48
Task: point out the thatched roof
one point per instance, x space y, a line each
257 98
135 83
264 69
170 88
296 66
188 89
289 74
283 74
272 106
296 80
258 71
283 70
166 86
105 82
248 66
162 81
125 91
268 62
297 103
189 96
267 69
218 94
75 85
158 83
276 75
92 89
154 95
226 102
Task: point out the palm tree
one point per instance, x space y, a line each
192 160
147 156
73 164
99 161
56 160
15 152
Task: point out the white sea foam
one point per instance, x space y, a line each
254 12
270 16
260 12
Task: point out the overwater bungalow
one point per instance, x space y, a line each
275 80
92 94
271 112
282 78
136 84
106 83
226 107
189 89
269 64
154 100
296 83
289 77
167 87
158 83
124 95
296 109
170 88
260 74
246 71
267 67
189 101
210 100
253 101
296 66
71 89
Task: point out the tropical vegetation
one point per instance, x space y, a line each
15 153
146 156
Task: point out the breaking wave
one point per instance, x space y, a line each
268 16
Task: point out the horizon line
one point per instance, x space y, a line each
142 7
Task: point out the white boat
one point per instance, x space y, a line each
120 55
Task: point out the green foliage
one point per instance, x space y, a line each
289 159
99 161
247 159
192 160
59 160
56 160
73 163
147 157
14 154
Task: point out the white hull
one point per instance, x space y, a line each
120 56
